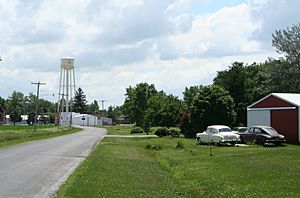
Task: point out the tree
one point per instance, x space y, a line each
31 118
15 106
190 93
163 110
212 105
15 115
2 107
284 73
115 112
287 42
79 103
278 76
233 80
93 108
135 104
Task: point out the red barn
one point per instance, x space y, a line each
279 110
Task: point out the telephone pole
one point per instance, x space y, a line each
60 108
36 102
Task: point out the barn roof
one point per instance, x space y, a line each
292 98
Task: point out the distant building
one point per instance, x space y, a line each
41 119
104 121
85 120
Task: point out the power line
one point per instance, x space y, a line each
36 102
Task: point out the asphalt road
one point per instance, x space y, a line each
38 168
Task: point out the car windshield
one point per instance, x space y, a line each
243 129
225 130
271 131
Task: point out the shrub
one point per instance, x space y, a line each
137 130
174 133
160 132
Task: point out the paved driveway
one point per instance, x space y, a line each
38 168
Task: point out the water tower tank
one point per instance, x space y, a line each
67 63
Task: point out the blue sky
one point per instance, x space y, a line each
117 43
197 7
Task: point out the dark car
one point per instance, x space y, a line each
262 135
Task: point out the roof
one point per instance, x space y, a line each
292 98
218 126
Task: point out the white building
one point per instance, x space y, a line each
85 120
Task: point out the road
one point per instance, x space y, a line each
37 169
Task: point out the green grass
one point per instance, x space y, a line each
125 130
118 129
22 127
154 167
12 135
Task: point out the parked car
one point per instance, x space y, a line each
218 134
238 130
261 135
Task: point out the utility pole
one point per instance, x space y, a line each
60 108
36 102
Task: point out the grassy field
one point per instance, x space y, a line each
144 167
11 135
125 130
118 130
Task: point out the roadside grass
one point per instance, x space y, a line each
125 130
23 127
155 167
12 135
118 129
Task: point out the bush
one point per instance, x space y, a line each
160 132
174 133
137 130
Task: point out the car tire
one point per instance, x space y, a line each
278 143
199 141
260 141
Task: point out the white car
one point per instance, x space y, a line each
218 134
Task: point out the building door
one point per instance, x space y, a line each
258 117
286 123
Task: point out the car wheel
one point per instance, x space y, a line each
233 143
260 141
277 143
199 141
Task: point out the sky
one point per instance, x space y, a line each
172 44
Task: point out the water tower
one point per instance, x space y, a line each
67 87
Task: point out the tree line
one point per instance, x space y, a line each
18 104
223 102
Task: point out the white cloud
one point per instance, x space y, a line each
117 43
223 33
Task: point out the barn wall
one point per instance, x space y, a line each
258 117
286 123
272 101
298 125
